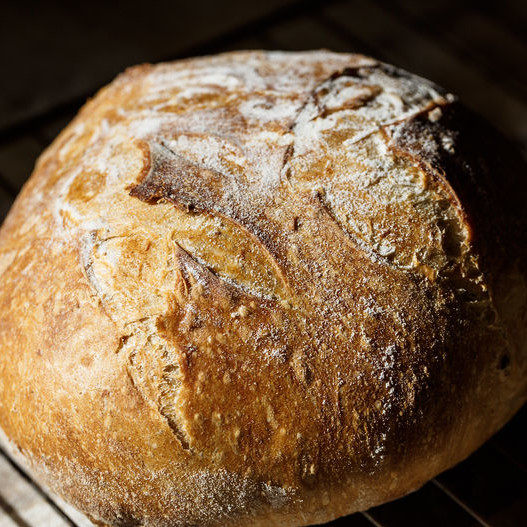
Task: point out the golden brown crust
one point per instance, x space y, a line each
261 288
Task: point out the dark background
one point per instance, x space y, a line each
55 55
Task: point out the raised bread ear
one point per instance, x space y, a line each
172 177
237 247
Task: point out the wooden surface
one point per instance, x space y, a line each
54 56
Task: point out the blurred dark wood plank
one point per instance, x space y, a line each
17 159
308 33
491 485
5 204
257 41
63 51
511 13
428 506
46 132
413 50
512 439
439 10
476 36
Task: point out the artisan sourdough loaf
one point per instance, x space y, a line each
261 289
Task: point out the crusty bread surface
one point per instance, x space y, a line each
264 289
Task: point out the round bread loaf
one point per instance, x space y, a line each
261 289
